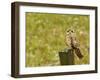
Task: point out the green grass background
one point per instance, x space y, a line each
45 34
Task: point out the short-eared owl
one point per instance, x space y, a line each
72 42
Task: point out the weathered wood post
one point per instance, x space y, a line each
67 57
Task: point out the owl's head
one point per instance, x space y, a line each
70 32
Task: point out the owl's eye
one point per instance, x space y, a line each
68 31
71 31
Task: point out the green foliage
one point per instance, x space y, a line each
45 34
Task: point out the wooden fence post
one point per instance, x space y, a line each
67 58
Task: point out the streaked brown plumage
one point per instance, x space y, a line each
72 42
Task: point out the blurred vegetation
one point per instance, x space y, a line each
45 34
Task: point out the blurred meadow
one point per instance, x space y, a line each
45 35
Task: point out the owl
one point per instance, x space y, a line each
72 42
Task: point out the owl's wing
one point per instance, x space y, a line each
78 53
